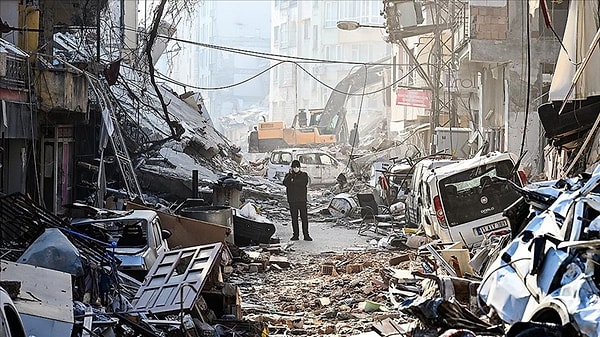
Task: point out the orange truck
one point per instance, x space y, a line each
272 135
327 125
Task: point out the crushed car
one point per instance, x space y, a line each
463 201
136 237
549 273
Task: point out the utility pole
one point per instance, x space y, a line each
433 66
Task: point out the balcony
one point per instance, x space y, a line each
61 92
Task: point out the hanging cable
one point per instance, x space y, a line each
362 97
548 22
528 89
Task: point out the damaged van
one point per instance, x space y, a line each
321 167
136 237
549 274
463 202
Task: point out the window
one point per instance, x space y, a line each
284 35
275 75
307 29
558 12
327 52
283 158
293 35
156 228
275 35
331 14
326 160
309 159
355 52
480 189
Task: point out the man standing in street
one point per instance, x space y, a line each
296 182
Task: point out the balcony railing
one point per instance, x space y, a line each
15 72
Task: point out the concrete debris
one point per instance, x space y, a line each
220 278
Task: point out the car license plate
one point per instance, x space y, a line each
490 227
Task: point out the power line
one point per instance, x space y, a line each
264 55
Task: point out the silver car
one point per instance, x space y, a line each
136 238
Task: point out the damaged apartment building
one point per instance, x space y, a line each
80 111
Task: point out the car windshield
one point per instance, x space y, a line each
281 158
477 193
130 233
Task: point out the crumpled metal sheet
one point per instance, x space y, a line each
441 313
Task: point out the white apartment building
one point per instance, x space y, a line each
243 25
308 29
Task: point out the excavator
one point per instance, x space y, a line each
325 126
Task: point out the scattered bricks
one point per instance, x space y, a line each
281 261
354 268
324 301
255 267
327 269
396 260
329 329
228 269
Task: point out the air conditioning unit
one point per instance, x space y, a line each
3 61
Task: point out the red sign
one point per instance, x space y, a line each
413 97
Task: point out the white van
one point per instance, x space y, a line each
321 167
463 202
417 187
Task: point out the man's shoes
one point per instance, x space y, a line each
307 238
294 238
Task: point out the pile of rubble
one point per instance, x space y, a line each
362 292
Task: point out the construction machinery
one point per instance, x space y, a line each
325 126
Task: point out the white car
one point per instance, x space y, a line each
10 320
464 201
137 238
321 167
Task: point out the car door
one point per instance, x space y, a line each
310 164
329 167
412 213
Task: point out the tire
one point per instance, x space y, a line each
535 329
539 332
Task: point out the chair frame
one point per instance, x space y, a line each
372 219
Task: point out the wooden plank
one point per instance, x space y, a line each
388 327
188 232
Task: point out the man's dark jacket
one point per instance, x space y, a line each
296 186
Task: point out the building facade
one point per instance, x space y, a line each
308 29
241 25
482 70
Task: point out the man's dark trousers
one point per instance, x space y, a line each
295 208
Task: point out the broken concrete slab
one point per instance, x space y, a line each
188 232
46 308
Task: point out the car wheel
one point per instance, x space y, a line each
539 332
535 329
